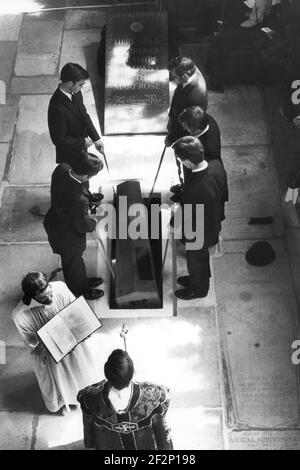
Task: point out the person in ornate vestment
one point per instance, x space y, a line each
59 383
120 414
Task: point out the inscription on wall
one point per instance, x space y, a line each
137 79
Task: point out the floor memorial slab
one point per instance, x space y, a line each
39 48
253 192
257 327
33 154
81 19
239 113
264 440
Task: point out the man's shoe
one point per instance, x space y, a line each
175 189
93 294
95 281
188 294
184 281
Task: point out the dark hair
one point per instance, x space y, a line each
182 65
195 117
34 283
189 148
88 164
119 369
73 73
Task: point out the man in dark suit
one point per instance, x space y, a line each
70 126
196 122
191 91
68 221
206 186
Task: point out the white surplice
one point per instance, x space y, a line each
59 383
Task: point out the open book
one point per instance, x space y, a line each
69 327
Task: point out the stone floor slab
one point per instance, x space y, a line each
185 348
19 389
39 48
8 52
239 113
34 85
17 224
33 154
81 46
81 19
196 429
15 262
10 27
4 149
63 432
253 192
8 117
16 424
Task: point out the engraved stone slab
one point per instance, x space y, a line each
265 440
81 19
137 81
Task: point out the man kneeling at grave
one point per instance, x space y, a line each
119 414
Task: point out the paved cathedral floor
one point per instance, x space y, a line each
227 359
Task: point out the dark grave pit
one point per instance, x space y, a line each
136 75
137 263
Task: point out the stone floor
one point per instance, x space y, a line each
227 358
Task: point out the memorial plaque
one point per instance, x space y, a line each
136 76
265 440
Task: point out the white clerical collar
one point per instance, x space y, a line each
73 177
69 95
202 132
203 165
35 303
120 398
189 81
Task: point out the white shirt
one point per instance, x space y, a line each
120 398
203 165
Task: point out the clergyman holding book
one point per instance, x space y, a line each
59 382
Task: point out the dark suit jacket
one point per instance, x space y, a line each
208 187
211 140
69 124
193 94
67 221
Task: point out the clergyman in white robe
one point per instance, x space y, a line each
59 383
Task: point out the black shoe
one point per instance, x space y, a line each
176 188
184 281
95 281
93 294
176 197
187 294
